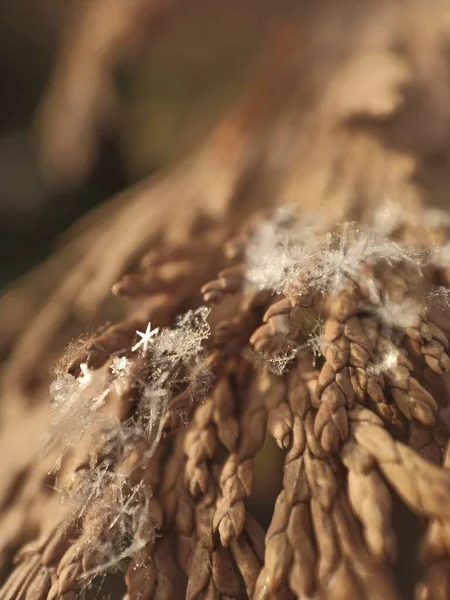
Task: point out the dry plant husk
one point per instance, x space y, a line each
334 135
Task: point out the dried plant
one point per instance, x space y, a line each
234 322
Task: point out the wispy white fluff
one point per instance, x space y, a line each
387 362
388 217
104 494
439 298
185 340
103 487
303 258
441 256
76 405
434 218
273 252
400 314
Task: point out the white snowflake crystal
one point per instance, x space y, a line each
185 340
439 298
146 336
120 366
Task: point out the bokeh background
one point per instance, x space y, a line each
97 94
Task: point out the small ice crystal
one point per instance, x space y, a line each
120 366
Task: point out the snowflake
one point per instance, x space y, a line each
439 297
185 341
145 336
120 366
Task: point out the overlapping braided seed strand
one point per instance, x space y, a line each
370 501
216 571
33 578
282 325
248 553
213 422
277 332
174 268
428 342
236 479
178 504
152 575
411 398
435 555
421 484
334 393
345 569
200 447
229 281
377 400
209 561
280 423
424 339
290 550
357 573
429 442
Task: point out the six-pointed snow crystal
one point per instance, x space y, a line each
146 336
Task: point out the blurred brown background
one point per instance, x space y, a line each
97 94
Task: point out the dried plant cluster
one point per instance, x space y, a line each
323 326
333 342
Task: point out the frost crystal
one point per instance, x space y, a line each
439 298
75 407
120 366
184 341
301 258
145 336
441 256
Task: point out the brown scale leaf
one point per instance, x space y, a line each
230 281
370 501
434 553
421 484
152 574
236 479
178 505
334 393
216 571
290 555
